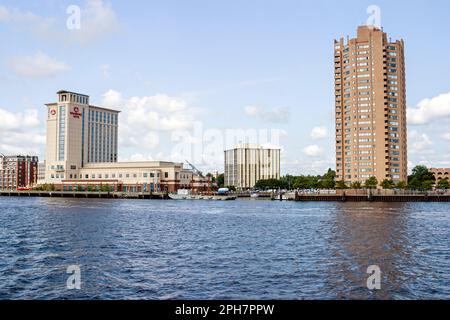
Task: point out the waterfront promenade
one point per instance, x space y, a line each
376 195
319 195
74 194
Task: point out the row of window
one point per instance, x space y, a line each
105 117
74 98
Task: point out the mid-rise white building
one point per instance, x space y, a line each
246 164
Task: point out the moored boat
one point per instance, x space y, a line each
185 194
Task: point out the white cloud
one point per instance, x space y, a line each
319 133
112 99
430 109
98 20
18 121
20 133
144 119
446 136
306 165
37 66
276 115
313 151
419 142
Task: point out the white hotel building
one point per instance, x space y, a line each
246 164
82 149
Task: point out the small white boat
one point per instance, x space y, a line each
185 194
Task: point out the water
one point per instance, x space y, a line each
139 249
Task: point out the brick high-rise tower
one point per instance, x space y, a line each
370 87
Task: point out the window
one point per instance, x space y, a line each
62 132
166 175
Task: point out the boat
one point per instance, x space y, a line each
182 194
186 194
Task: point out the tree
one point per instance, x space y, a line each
371 183
231 188
211 177
341 184
421 178
387 184
220 180
270 184
443 184
356 185
402 185
105 188
328 180
288 181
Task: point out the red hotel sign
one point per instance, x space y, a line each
76 113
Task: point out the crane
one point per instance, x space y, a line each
200 174
193 168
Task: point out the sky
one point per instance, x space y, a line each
193 78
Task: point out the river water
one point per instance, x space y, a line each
151 249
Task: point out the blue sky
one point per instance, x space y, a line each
189 74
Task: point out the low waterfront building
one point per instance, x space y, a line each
82 153
246 164
441 173
18 172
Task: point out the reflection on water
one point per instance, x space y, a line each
131 249
366 235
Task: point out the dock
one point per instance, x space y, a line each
91 195
371 196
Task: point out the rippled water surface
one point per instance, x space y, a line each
222 250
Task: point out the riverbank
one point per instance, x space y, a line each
335 196
97 195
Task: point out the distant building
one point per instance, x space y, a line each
246 164
82 152
18 172
41 172
370 93
441 173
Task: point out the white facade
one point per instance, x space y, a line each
78 133
246 164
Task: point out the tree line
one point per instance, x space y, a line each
420 179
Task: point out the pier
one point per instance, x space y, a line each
96 195
371 196
322 195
